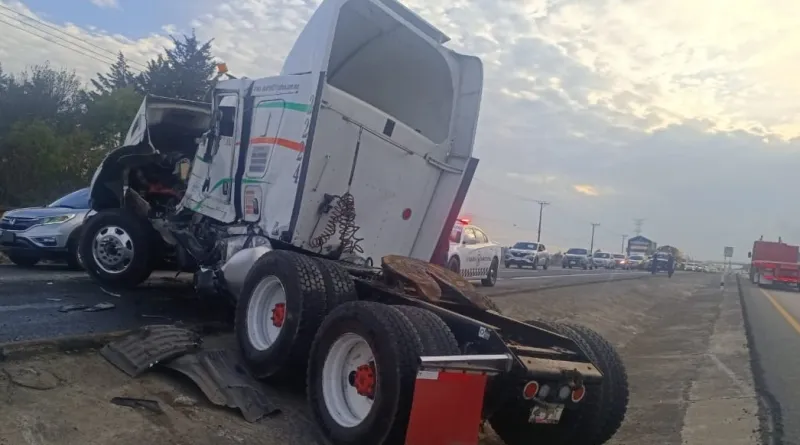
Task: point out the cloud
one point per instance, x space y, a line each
106 4
585 189
654 110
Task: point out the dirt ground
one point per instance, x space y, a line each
663 328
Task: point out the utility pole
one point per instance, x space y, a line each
637 224
623 244
591 245
541 209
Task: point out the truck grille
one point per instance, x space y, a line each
11 223
518 254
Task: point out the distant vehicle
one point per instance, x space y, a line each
577 257
692 267
52 232
620 262
636 261
528 254
602 259
660 261
472 254
774 262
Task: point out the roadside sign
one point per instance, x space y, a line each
728 252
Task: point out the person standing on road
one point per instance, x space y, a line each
670 265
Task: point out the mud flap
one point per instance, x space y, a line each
223 378
139 351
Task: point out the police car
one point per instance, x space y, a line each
472 254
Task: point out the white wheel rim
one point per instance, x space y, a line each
112 250
266 313
344 403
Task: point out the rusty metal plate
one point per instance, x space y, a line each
434 282
414 272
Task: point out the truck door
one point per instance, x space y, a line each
210 189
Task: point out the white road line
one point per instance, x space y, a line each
539 277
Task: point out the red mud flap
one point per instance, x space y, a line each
448 398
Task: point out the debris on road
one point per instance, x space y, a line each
222 377
113 294
149 405
104 306
31 378
73 307
148 346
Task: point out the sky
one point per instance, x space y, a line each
682 113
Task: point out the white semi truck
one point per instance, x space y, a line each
317 201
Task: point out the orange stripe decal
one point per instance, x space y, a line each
291 145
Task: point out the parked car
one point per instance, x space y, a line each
472 254
528 254
32 234
577 257
603 259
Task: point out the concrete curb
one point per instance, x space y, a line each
560 286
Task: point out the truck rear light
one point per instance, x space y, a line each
578 393
530 390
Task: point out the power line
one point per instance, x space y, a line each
13 25
62 32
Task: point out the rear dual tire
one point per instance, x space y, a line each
371 404
598 416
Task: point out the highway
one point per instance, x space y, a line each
773 321
31 300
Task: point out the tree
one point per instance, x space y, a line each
184 71
119 76
109 116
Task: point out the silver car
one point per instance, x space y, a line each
32 234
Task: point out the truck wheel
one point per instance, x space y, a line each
506 264
491 276
281 306
361 374
546 264
115 248
597 417
435 335
535 264
23 260
339 285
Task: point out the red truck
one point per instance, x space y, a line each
774 262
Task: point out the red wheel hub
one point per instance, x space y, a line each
364 380
278 315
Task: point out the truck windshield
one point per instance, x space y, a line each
526 246
577 252
601 255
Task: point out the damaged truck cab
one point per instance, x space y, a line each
318 200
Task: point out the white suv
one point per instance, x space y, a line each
528 254
472 254
603 259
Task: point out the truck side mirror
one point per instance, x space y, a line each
749 254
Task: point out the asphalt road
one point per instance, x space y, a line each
773 317
31 299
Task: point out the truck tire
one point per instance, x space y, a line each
339 285
454 265
280 308
361 374
546 264
491 276
435 335
115 248
595 420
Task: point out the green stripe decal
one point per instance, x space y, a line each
294 106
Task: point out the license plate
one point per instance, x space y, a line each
546 413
